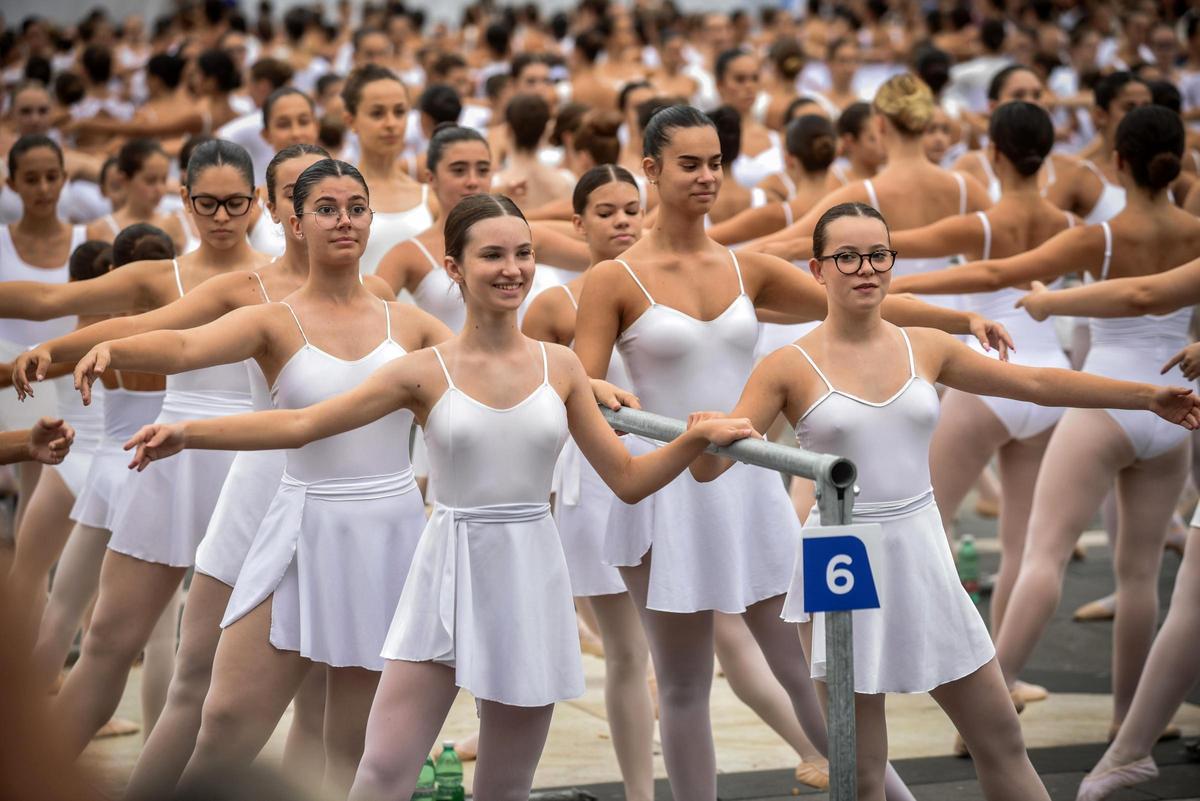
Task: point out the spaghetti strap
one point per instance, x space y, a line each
545 364
986 166
912 362
737 269
297 319
987 235
787 215
870 187
813 364
642 287
1108 248
112 224
387 316
962 192
261 285
178 280
432 262
570 295
1070 219
445 371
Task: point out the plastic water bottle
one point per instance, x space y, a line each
426 783
968 567
449 775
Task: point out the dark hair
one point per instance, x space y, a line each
597 136
597 177
628 89
498 38
1151 139
218 65
441 102
721 66
27 143
788 57
1109 86
447 134
521 61
836 45
133 155
287 154
589 44
141 242
362 33
69 88
567 121
110 163
1024 133
812 140
932 65
1000 79
96 61
1166 94
318 171
853 209
728 123
189 145
167 68
991 35
657 132
38 68
279 94
91 259
215 153
471 210
495 85
357 80
273 71
446 63
527 115
327 80
800 102
854 118
296 22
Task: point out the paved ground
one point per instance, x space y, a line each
1065 732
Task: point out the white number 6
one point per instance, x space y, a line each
839 579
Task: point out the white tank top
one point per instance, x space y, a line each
313 375
617 375
13 268
393 227
1111 202
749 171
1154 332
918 266
438 294
226 384
678 364
888 441
267 235
126 411
466 456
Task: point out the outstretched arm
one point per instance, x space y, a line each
632 478
968 371
133 287
389 388
559 250
749 224
1067 252
47 442
1119 297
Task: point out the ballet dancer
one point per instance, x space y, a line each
143 166
456 624
723 547
1090 449
377 107
289 118
281 618
888 396
162 517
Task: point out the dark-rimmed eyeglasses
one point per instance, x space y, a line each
234 205
849 262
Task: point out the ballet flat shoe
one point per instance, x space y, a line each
1100 609
1171 732
117 727
1098 786
813 774
1030 693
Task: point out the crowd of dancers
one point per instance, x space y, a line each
346 291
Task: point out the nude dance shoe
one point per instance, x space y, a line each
1098 786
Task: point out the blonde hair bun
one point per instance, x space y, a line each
907 102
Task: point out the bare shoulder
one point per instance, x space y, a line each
930 341
379 287
563 361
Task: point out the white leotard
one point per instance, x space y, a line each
335 545
726 544
926 632
438 294
488 592
1133 349
389 228
1039 347
1111 202
749 170
165 511
267 235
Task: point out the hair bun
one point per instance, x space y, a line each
1163 169
1029 164
907 102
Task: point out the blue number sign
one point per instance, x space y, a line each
837 568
